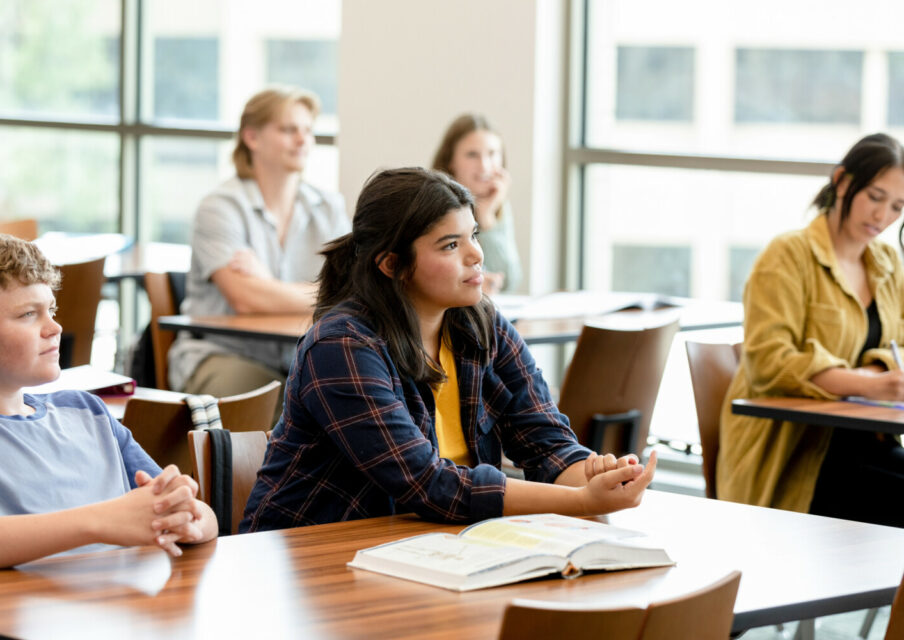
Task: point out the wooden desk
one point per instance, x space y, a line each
294 583
68 248
117 404
285 328
147 257
825 413
125 257
693 315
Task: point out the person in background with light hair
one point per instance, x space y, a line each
256 242
471 152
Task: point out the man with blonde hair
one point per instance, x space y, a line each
256 242
71 474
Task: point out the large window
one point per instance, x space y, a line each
697 141
119 114
694 141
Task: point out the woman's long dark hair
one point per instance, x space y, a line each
395 208
869 157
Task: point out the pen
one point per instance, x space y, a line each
896 354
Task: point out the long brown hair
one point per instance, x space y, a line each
395 208
460 127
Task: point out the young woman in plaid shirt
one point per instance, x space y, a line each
409 387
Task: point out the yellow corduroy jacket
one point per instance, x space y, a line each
800 318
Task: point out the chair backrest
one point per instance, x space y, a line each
251 411
163 303
702 615
614 371
77 301
248 449
530 619
895 629
160 426
706 614
26 229
712 368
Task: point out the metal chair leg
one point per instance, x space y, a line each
868 622
806 630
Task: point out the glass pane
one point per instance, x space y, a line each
178 172
640 220
740 262
663 269
896 89
68 180
59 58
775 85
770 79
655 83
311 64
204 59
185 78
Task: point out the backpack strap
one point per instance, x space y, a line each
221 478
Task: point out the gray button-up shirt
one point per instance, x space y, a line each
234 217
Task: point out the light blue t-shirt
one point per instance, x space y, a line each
70 452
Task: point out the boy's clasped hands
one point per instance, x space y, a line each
160 511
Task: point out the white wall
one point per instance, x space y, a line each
408 67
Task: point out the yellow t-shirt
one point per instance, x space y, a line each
449 434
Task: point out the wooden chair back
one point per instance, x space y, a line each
530 619
248 449
614 371
705 614
26 229
160 426
77 301
250 411
712 368
160 295
895 629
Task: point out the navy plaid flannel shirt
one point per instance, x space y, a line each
356 440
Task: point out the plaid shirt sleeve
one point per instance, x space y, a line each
349 387
535 434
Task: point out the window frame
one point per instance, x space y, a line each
129 128
578 154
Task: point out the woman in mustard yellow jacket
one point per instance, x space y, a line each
821 307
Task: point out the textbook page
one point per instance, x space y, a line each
453 562
547 533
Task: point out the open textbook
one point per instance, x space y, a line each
511 549
576 304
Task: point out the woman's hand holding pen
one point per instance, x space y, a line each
885 385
